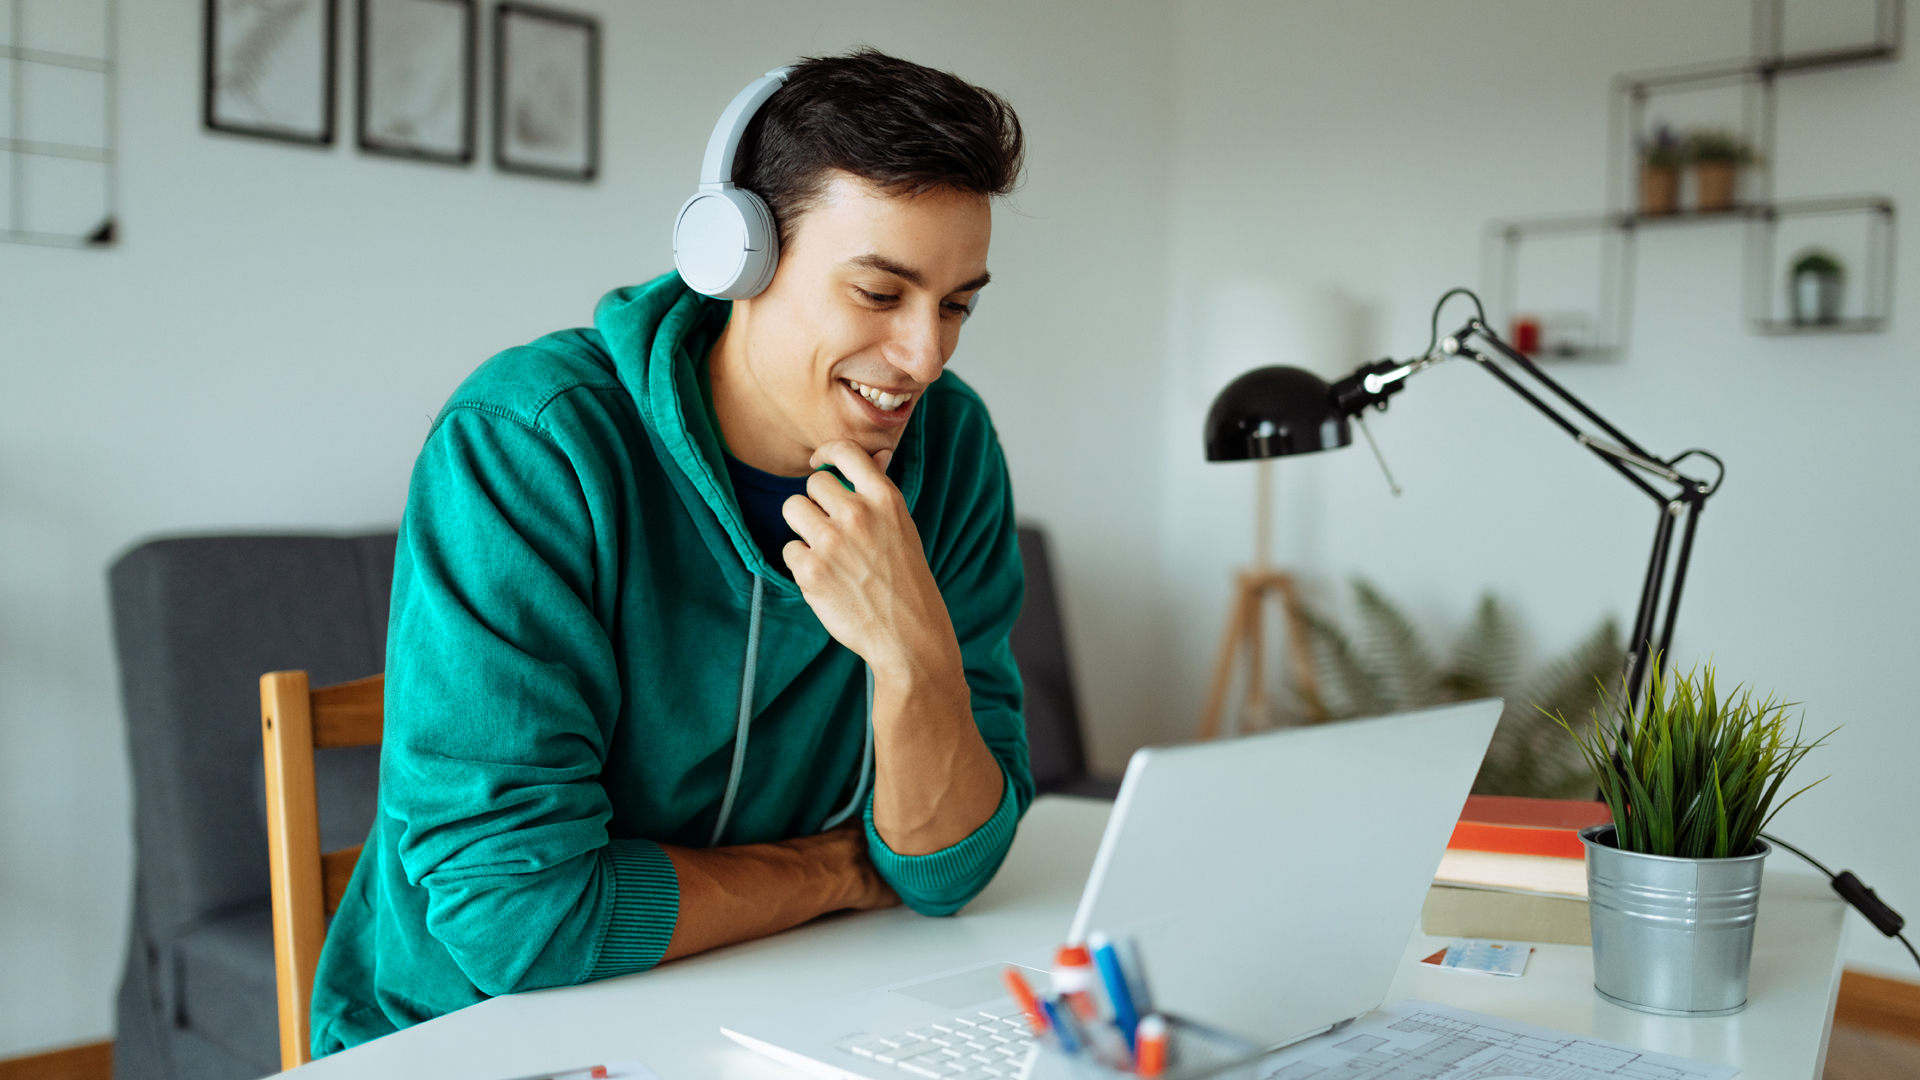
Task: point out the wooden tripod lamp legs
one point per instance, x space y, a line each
1246 633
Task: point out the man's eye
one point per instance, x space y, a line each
955 307
877 298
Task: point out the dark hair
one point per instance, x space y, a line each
904 128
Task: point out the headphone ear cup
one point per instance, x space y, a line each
764 258
724 243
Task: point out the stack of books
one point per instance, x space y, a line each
1515 870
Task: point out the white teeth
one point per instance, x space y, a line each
887 402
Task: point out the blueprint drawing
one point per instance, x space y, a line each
1419 1040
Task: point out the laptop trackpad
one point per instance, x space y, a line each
970 987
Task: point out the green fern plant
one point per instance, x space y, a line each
1389 667
1689 773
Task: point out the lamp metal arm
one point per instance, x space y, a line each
1373 384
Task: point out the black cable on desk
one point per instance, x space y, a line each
1855 892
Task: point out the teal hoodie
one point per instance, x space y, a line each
572 605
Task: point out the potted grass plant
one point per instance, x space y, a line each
1717 156
1692 778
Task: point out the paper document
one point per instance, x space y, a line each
1418 1040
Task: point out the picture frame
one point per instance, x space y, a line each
546 92
415 79
268 69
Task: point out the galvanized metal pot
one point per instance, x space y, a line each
1671 936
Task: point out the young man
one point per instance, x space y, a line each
637 632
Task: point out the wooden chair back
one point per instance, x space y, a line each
307 883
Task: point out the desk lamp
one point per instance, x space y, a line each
1275 411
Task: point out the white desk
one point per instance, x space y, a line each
669 1018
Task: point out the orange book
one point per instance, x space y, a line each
1511 825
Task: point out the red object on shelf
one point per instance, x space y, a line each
1526 334
1511 825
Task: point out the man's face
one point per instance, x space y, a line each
860 318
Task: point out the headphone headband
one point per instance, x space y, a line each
722 146
725 241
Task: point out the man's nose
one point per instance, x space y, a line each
915 347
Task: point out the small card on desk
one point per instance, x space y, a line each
1484 957
619 1070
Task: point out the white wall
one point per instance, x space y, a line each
266 347
1364 146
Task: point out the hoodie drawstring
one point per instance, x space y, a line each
746 712
866 765
746 718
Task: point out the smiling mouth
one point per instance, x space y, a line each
881 400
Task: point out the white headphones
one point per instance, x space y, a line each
724 241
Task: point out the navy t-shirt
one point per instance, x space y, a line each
761 494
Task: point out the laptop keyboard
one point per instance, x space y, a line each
985 1045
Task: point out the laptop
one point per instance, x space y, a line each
1270 883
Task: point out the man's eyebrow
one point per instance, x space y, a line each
907 273
888 266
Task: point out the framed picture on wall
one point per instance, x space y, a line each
269 69
546 92
416 79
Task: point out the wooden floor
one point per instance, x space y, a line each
1861 1054
93 1061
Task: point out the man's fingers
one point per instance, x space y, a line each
855 464
795 553
805 517
883 458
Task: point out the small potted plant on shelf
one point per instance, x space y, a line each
1818 283
1692 777
1660 160
1717 156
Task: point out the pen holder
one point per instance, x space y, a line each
1194 1052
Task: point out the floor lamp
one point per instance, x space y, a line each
1245 639
1275 411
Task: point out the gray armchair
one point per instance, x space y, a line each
197 620
1055 751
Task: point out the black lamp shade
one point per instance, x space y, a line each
1272 411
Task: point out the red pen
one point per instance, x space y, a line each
1150 1044
1029 1004
1073 980
1077 983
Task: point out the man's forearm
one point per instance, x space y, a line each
860 564
735 894
935 781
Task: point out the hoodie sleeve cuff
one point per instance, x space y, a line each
645 907
941 882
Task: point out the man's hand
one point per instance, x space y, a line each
861 567
860 564
733 894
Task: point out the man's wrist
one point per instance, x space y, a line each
933 668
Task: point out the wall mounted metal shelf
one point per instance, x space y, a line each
1760 211
1617 231
60 191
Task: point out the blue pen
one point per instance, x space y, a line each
1068 1044
1108 961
